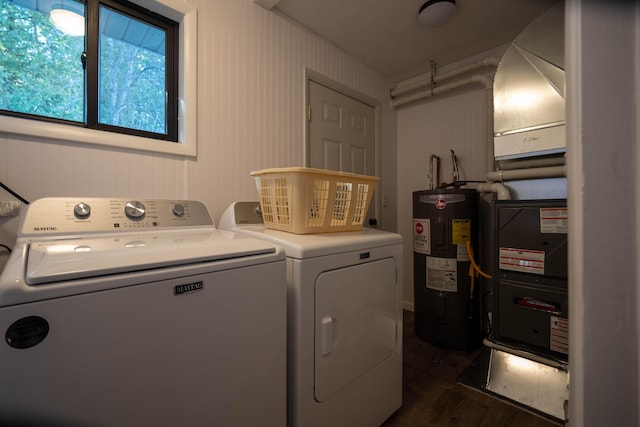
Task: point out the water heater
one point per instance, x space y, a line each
445 296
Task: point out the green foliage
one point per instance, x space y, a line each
132 86
41 74
40 68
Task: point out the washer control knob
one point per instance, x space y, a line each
82 210
134 210
178 210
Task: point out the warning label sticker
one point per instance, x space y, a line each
460 235
524 260
554 220
460 231
461 253
421 241
442 274
559 335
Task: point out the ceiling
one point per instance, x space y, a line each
386 34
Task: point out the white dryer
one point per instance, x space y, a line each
344 321
140 313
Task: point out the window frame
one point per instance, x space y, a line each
186 106
94 69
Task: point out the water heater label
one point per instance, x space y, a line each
421 236
442 274
554 220
461 253
460 235
524 260
461 231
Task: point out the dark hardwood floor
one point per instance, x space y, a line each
433 397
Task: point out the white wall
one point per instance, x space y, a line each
251 112
603 98
251 64
457 121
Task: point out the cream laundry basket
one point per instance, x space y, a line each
306 200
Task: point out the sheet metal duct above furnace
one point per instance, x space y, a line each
529 91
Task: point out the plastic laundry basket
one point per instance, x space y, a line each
306 200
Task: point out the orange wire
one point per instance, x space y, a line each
473 263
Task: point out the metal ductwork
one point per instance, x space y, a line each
529 91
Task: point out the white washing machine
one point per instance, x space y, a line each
140 313
344 324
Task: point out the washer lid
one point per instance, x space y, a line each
58 260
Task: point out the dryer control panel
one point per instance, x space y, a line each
58 215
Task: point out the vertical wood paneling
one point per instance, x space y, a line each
252 111
457 121
251 64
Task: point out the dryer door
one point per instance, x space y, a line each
356 320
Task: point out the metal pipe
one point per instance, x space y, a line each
426 82
429 93
468 81
490 153
495 187
484 80
532 162
487 82
533 173
431 172
433 185
491 61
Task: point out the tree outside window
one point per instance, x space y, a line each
47 73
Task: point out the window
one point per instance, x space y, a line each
125 70
135 72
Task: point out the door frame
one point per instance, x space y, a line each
311 75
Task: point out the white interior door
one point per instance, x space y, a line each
341 134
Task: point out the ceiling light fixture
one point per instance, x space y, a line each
67 20
436 12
